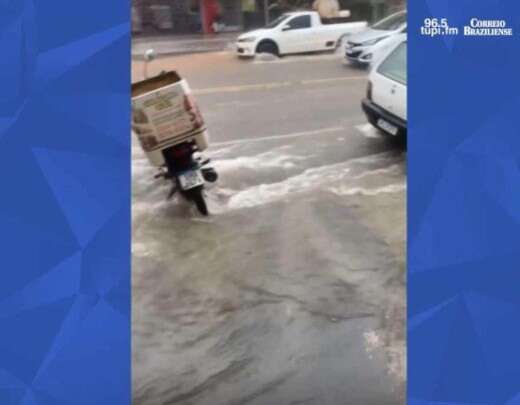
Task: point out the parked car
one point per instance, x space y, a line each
363 46
297 32
385 102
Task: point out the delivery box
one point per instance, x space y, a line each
164 113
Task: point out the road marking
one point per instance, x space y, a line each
244 87
273 85
332 79
282 136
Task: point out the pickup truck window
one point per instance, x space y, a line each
298 23
394 66
277 21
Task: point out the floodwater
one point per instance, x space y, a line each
291 292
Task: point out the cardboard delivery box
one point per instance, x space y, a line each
164 113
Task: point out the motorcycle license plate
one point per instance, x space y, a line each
191 179
392 129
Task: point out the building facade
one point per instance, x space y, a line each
212 16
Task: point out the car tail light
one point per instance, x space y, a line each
369 90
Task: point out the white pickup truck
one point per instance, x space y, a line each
297 32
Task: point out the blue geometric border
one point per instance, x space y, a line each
464 208
64 202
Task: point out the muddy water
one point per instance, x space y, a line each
292 292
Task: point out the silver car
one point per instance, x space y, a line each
361 48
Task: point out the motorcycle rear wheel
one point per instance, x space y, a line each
197 196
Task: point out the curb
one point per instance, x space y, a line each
180 52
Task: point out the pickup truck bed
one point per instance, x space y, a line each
335 20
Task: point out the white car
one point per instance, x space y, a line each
363 46
297 32
380 49
385 102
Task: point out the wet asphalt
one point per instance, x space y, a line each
293 290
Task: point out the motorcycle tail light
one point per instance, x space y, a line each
180 151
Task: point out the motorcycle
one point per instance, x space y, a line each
175 151
188 173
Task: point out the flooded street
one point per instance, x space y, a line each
293 290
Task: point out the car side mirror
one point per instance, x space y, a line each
286 27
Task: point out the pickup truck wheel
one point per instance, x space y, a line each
267 47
